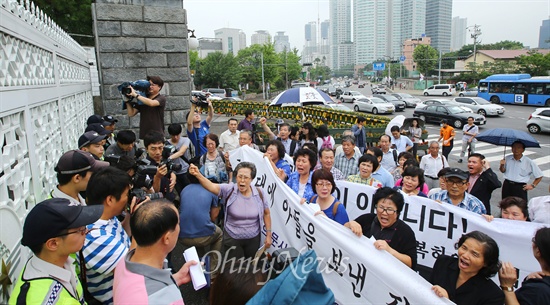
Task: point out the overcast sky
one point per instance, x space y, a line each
517 20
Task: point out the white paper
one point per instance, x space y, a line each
197 274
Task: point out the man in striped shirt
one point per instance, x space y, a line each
109 241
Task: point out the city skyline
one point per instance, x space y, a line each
291 16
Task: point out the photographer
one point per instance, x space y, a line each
197 129
151 108
165 179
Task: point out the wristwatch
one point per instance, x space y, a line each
509 289
534 186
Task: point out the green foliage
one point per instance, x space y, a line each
425 57
535 63
73 16
218 70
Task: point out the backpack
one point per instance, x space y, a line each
326 143
334 207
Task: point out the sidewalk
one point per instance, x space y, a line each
409 91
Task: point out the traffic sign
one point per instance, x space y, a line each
402 58
379 66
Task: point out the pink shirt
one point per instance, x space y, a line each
424 188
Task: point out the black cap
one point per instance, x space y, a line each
110 119
77 161
97 119
52 217
98 128
444 121
457 172
90 137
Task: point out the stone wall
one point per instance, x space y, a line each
135 39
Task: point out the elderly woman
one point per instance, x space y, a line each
390 232
413 177
324 186
535 289
246 211
514 208
213 162
466 279
275 151
367 164
300 180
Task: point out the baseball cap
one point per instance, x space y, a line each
52 217
457 172
77 161
110 119
97 119
98 128
90 137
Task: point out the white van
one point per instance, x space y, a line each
216 92
441 89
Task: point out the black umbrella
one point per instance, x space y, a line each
506 137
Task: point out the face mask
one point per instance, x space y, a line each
441 125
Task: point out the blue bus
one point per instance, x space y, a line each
516 89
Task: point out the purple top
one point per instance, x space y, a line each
246 125
244 215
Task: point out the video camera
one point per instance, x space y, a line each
140 86
141 195
167 151
201 99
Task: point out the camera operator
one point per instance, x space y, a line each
165 179
152 110
197 129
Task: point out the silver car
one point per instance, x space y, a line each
374 105
409 100
539 120
468 92
480 106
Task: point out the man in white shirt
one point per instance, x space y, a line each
470 132
402 143
432 164
389 160
229 139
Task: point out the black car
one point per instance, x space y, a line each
399 105
455 115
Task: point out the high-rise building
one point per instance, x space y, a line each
408 49
438 23
281 42
260 37
324 42
544 35
340 32
233 40
209 45
316 42
381 26
310 46
458 33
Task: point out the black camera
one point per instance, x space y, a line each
142 177
166 160
141 195
201 99
126 91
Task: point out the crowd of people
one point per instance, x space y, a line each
122 204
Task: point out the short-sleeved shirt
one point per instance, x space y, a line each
229 141
432 166
521 170
341 216
345 165
382 175
469 202
534 291
475 291
245 125
470 129
137 283
294 183
401 143
104 247
203 130
539 209
446 133
368 181
388 161
195 206
283 164
336 173
151 118
399 236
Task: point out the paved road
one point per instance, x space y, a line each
515 117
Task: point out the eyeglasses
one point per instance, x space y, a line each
320 185
457 183
241 177
82 231
388 211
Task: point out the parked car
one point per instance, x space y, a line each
216 92
350 96
232 99
378 89
441 101
456 116
480 106
468 92
409 100
441 89
361 85
340 107
399 105
374 105
539 120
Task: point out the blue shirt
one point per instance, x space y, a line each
203 130
282 164
521 170
347 166
384 177
294 183
470 202
195 206
341 216
401 143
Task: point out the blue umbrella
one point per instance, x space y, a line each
506 137
301 96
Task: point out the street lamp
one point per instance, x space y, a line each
192 40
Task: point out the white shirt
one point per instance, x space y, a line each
432 166
388 162
401 143
474 129
57 193
229 141
539 209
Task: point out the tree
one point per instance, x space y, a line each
219 70
73 16
289 66
425 58
535 63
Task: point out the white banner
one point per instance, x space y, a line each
356 272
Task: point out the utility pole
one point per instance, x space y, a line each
476 32
263 81
439 74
